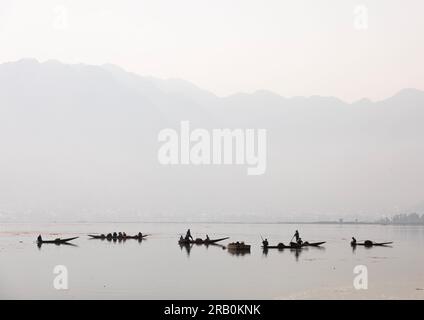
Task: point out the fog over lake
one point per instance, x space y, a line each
80 143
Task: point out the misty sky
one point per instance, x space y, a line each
290 47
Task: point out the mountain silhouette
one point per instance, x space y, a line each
80 142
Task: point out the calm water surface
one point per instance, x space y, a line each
158 268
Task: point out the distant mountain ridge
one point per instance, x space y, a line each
81 141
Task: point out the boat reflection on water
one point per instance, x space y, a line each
187 248
235 252
296 251
40 244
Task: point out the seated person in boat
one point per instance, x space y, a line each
207 238
39 239
188 235
353 241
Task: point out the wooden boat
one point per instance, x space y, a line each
200 241
294 245
313 244
238 246
57 241
369 243
93 236
136 237
105 237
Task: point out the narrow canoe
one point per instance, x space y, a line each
96 236
57 240
238 247
134 237
294 245
313 244
370 244
201 241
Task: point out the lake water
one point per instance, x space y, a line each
158 268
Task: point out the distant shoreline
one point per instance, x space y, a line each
222 222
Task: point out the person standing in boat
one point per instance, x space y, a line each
353 243
296 235
265 243
188 235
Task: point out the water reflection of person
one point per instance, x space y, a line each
187 248
297 254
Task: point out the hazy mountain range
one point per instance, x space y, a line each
79 142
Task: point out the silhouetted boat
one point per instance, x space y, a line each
294 245
238 246
201 241
369 243
93 236
313 244
104 237
57 241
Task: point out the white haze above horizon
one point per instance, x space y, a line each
293 48
79 118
